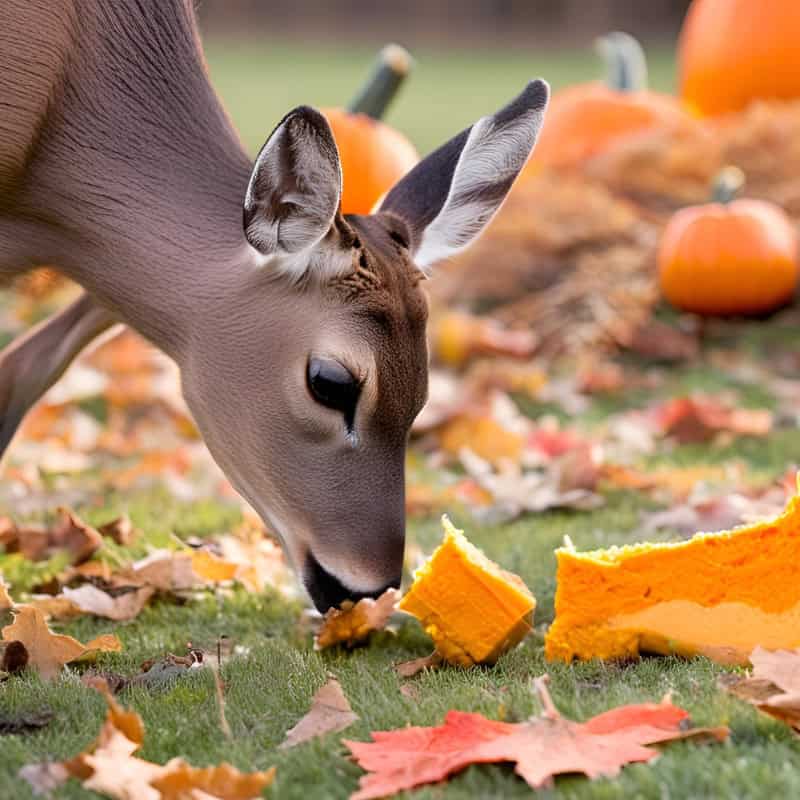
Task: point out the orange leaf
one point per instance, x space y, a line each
48 651
330 711
540 748
179 780
212 568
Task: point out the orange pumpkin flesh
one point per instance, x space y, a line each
729 258
732 52
373 155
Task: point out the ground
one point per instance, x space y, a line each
271 685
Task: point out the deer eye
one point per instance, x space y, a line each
333 386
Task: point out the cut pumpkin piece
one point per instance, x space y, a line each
716 594
473 610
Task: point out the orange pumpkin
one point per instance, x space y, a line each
732 52
373 155
729 256
587 119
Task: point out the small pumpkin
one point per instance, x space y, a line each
729 256
587 119
374 156
732 52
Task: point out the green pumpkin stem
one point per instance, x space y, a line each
727 184
393 65
626 65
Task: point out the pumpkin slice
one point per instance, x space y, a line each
717 594
473 610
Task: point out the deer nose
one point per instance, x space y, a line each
327 591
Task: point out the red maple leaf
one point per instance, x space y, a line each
540 748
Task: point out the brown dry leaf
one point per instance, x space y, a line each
408 669
120 530
700 418
330 711
121 606
108 766
69 533
774 686
353 623
47 651
165 570
57 608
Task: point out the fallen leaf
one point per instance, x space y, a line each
773 687
700 418
58 607
213 568
121 606
541 748
120 530
108 766
354 622
181 781
48 651
165 570
408 669
330 711
68 534
713 514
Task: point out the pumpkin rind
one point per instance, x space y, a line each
732 52
473 610
373 155
737 258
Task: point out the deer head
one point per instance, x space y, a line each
310 379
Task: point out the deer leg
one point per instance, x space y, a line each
32 363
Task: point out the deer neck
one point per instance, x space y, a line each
141 172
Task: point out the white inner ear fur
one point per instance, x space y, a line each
295 243
491 155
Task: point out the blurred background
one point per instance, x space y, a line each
266 56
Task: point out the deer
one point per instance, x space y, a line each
299 332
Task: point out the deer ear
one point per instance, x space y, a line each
449 197
294 191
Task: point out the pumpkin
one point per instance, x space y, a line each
473 610
373 155
729 256
732 52
717 594
585 120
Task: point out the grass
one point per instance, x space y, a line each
448 90
271 685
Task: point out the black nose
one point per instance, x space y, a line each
327 591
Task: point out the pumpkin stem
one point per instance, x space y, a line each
727 184
626 65
393 65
